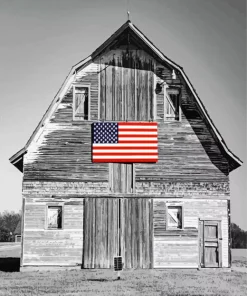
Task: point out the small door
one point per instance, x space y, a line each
210 243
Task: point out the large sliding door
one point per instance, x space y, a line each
113 227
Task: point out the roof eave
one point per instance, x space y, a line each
17 159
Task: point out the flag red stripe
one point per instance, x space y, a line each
124 160
137 136
138 142
95 148
125 153
137 130
137 123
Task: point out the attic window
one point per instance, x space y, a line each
171 104
81 99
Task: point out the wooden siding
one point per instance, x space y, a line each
190 162
47 189
179 248
116 227
62 151
44 246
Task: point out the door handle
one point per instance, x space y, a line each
220 238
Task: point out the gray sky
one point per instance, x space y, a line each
42 39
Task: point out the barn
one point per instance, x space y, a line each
126 162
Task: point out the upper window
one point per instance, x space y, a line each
171 106
54 217
81 98
174 217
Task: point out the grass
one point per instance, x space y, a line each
133 282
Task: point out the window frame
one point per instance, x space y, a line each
172 90
182 218
88 86
46 216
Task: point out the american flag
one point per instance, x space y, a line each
125 142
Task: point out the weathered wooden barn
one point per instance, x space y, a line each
170 213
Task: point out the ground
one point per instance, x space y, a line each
132 282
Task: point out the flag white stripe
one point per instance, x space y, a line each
125 138
125 145
137 133
124 156
136 127
125 150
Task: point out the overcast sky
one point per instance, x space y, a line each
42 39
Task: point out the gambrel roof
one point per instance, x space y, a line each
234 161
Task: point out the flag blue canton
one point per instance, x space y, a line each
105 133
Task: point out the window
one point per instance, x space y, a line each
174 217
81 104
54 217
171 105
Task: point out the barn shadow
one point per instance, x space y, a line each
10 264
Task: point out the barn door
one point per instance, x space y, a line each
210 243
114 227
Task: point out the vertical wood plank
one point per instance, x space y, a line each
90 232
122 90
219 244
126 88
102 234
97 230
99 88
118 92
105 233
229 233
113 90
111 232
130 232
122 227
148 97
109 92
122 183
135 85
154 93
93 232
151 91
140 224
85 244
151 236
147 234
143 233
114 222
102 91
126 238
132 90
110 182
